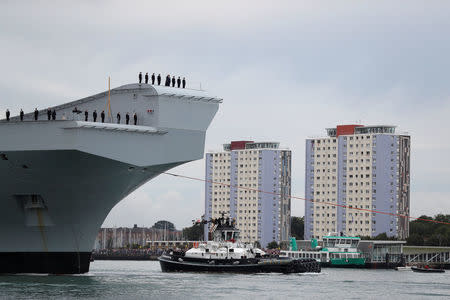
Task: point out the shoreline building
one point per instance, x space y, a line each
362 167
253 167
125 237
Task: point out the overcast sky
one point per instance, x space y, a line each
285 69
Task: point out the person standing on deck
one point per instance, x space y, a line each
140 77
118 118
36 114
135 119
153 78
54 115
102 115
146 78
178 82
94 115
7 115
184 82
86 115
127 119
173 81
49 114
167 80
21 115
159 79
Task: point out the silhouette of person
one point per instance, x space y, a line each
140 77
159 79
184 82
118 118
21 115
86 115
146 78
7 115
135 119
94 115
173 81
178 81
36 114
54 115
49 113
76 111
153 78
127 119
167 80
102 115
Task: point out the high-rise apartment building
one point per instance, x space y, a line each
362 167
247 168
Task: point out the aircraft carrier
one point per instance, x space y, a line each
60 179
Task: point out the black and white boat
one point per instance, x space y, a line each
226 253
427 269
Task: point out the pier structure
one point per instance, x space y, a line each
417 255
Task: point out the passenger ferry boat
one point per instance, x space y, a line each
226 253
337 251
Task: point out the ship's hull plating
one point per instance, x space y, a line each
45 262
78 191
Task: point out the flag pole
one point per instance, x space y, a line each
109 99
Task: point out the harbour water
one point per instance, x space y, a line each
144 279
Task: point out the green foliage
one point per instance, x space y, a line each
424 233
272 245
381 237
193 233
297 227
164 225
415 239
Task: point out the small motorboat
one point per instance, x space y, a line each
427 269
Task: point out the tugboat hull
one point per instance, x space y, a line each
177 264
168 265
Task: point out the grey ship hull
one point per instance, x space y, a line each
60 179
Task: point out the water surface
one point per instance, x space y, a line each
144 279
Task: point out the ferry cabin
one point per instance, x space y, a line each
322 256
336 251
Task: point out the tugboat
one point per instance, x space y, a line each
226 253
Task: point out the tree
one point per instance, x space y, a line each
380 237
414 239
272 245
297 227
164 225
193 233
423 232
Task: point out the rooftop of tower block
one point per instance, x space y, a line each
359 129
240 145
